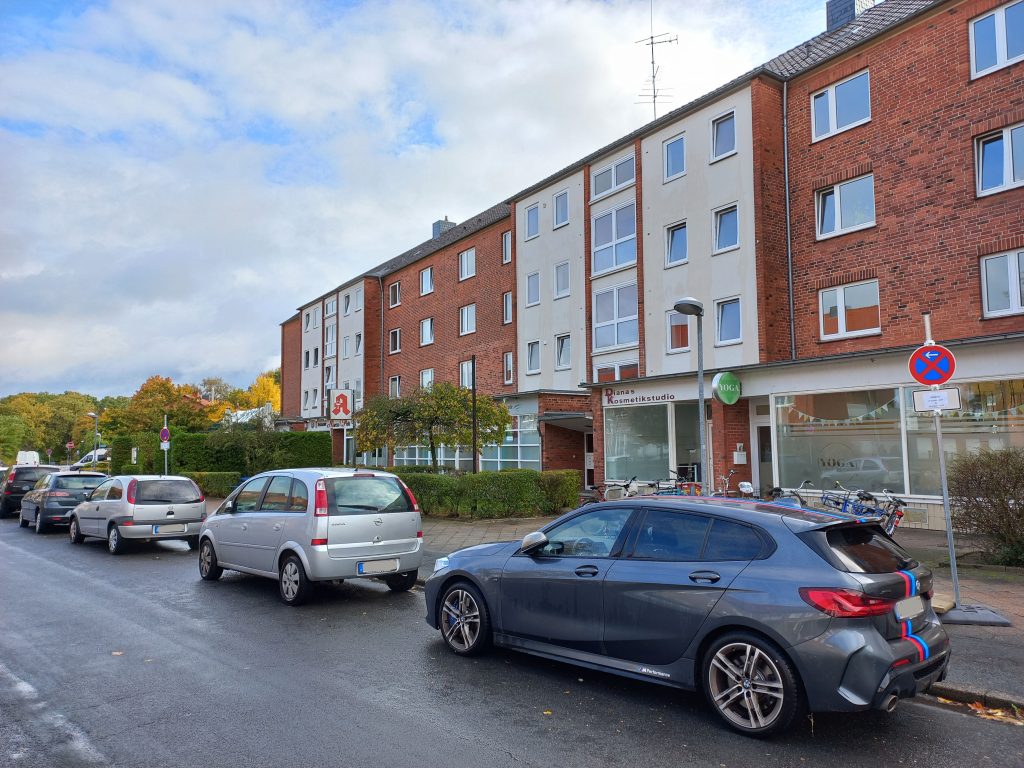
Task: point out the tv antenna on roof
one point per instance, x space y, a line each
651 95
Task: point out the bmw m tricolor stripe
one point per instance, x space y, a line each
922 647
911 581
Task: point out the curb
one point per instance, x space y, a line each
967 694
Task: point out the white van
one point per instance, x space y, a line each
101 455
28 458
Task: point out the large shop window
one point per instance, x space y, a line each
636 442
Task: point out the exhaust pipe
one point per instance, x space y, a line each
889 703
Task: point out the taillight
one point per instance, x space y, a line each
132 485
318 542
58 493
320 501
202 497
845 603
412 498
419 534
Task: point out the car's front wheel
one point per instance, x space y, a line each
74 533
22 521
401 582
40 523
293 585
464 620
209 570
751 684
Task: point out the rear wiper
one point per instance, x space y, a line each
360 506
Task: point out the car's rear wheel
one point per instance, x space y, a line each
209 570
293 585
751 684
401 582
73 533
22 521
464 620
40 523
116 544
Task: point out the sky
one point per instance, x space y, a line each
177 176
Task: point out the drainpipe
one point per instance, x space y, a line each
789 233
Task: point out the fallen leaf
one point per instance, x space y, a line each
117 653
548 712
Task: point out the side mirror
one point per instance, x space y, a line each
533 542
88 496
228 506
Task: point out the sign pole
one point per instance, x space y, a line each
165 449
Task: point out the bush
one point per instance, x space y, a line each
561 488
120 454
422 469
501 494
215 484
190 452
131 469
986 492
438 495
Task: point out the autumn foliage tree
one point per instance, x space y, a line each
158 395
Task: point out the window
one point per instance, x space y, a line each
346 303
316 356
330 342
305 398
359 344
533 289
675 157
855 203
300 497
467 319
426 331
345 347
676 245
732 541
249 497
426 281
841 106
467 263
533 357
315 399
723 136
331 308
506 307
305 359
560 210
616 371
563 352
615 317
276 498
678 332
316 317
1002 281
307 319
509 370
506 247
728 315
727 228
850 310
357 392
395 340
997 39
395 294
671 536
359 299
532 221
395 386
590 535
466 374
612 177
615 238
1000 160
562 280
427 378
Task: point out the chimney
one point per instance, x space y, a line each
840 12
442 225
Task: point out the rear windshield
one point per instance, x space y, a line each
166 492
23 474
79 483
365 495
866 549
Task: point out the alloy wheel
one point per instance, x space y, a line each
290 580
39 521
112 539
205 559
746 686
460 620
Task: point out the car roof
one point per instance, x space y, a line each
149 477
318 472
74 473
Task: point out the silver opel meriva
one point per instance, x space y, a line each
304 525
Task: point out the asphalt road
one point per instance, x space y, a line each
133 661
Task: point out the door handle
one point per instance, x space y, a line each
245 526
277 527
704 577
586 570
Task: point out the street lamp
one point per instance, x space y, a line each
691 306
95 436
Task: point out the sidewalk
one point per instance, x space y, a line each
987 663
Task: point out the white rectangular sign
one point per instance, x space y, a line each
339 404
947 399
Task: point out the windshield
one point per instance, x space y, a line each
366 495
167 492
79 482
866 549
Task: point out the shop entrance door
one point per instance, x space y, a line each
588 459
762 459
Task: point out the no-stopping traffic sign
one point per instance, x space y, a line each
932 365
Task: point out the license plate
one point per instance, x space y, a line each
909 608
176 528
377 566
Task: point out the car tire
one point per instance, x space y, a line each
3 509
192 542
74 533
401 582
116 545
293 586
40 523
209 570
751 684
464 619
22 521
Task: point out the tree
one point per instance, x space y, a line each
265 390
435 416
12 437
183 405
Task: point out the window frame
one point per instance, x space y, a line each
427 272
358 301
395 294
832 107
616 240
305 359
714 121
669 229
835 189
507 308
1006 134
466 374
537 300
719 303
716 213
616 320
395 386
537 370
345 347
346 303
330 340
464 313
616 185
616 366
358 345
467 264
841 304
506 246
1002 59
331 308
430 383
669 349
666 176
568 280
508 367
535 211
1016 291
555 223
559 338
427 322
394 341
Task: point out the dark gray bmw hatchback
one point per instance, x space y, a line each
771 610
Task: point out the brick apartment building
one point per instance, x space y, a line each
816 206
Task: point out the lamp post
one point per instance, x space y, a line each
691 306
95 436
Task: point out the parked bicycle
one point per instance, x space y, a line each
628 488
676 486
851 502
892 512
791 497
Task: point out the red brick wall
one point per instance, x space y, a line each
492 338
562 448
931 227
730 425
595 406
372 340
291 368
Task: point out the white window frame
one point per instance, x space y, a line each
617 366
346 304
329 376
466 374
669 349
836 188
1008 181
427 274
467 264
555 223
315 398
506 308
359 344
506 246
715 215
331 308
426 331
395 386
537 300
358 300
307 321
833 108
305 399
394 341
1016 297
567 337
1001 42
330 340
345 347
529 371
568 280
668 244
509 368
616 319
718 324
842 333
466 314
316 317
735 135
429 377
395 293
594 248
535 209
316 357
305 360
664 157
616 184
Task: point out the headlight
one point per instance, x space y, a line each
441 562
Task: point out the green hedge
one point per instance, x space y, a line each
191 452
502 494
245 452
131 469
509 493
120 454
438 495
561 488
215 484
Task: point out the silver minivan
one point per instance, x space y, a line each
305 525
